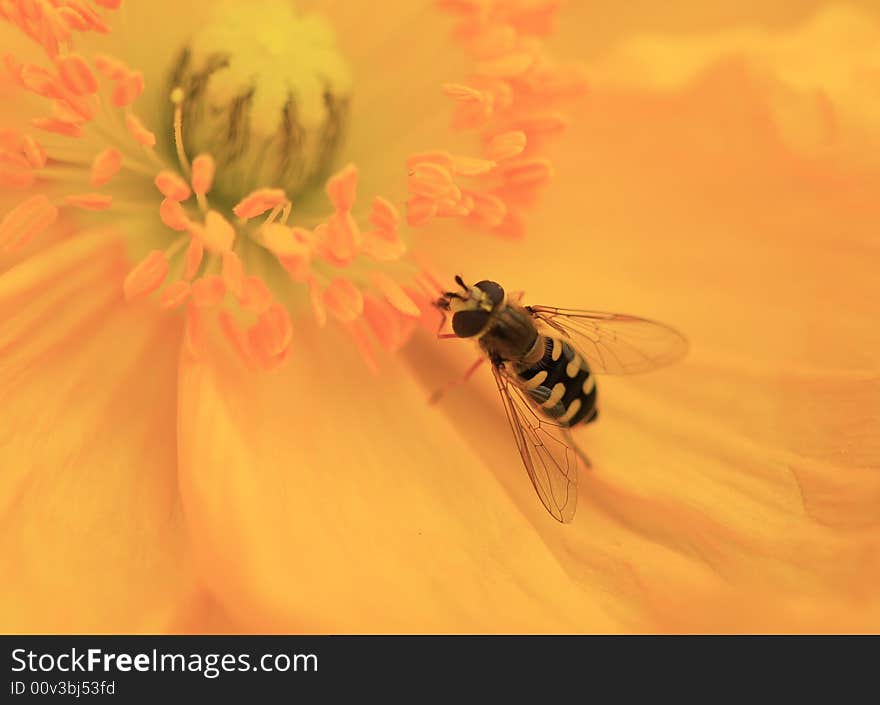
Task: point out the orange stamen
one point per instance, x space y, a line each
439 157
203 169
235 335
174 294
194 336
128 89
105 166
140 133
342 188
508 66
33 152
147 276
394 294
469 166
384 215
343 299
208 291
542 124
217 233
432 181
256 296
27 220
111 67
382 321
89 201
506 145
38 80
342 237
489 209
172 185
529 172
76 74
420 210
258 202
270 336
318 308
72 19
174 216
193 258
279 239
59 127
233 273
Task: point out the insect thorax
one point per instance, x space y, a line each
511 336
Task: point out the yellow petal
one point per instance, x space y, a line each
92 536
322 499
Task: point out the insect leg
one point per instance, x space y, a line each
438 394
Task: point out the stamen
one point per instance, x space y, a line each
59 127
528 172
342 188
271 335
173 215
105 166
506 145
90 201
193 258
203 169
420 210
217 233
174 294
208 291
236 336
172 186
76 74
33 152
256 296
384 215
233 273
258 202
509 66
111 67
128 89
147 276
194 337
343 299
394 294
140 133
27 220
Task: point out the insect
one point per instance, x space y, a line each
543 359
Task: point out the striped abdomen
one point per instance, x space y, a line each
561 384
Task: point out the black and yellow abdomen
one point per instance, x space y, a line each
561 384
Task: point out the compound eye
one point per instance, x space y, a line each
492 290
467 324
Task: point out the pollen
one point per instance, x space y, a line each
509 104
261 101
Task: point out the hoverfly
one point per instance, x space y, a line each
543 359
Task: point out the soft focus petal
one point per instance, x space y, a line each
92 538
322 499
738 491
818 74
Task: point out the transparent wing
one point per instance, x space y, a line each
550 455
615 343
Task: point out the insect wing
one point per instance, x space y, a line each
615 343
548 452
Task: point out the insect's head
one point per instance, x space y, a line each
472 307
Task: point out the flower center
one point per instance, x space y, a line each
272 110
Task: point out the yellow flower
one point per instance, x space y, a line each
190 437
